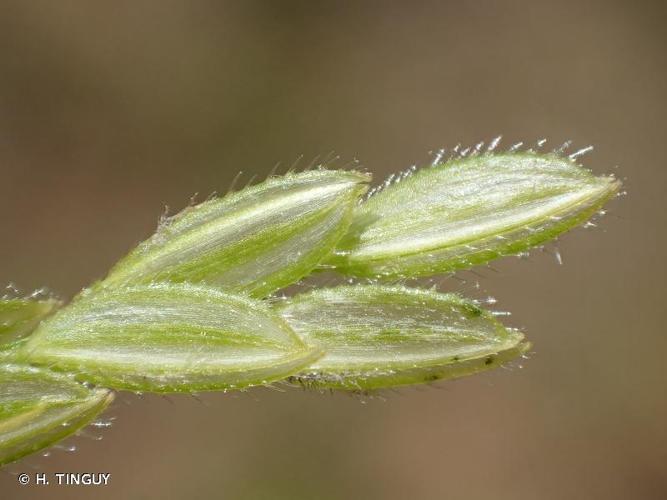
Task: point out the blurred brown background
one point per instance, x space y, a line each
110 110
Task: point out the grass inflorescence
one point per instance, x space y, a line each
195 307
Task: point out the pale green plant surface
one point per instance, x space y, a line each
469 211
39 408
187 310
167 338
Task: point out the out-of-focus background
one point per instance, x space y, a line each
111 110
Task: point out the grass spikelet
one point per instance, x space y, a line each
256 240
38 408
168 338
379 336
469 211
19 317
